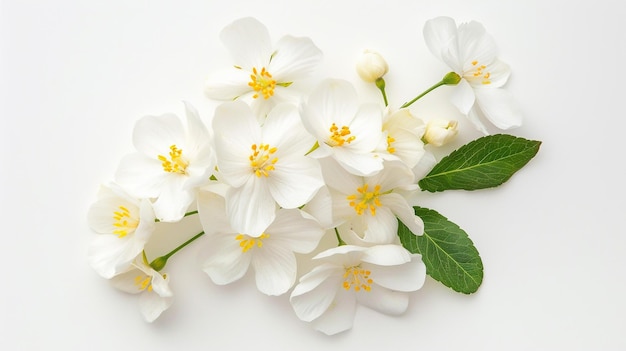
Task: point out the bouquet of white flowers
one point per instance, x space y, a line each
284 172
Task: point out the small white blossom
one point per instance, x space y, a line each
124 225
471 52
378 277
153 286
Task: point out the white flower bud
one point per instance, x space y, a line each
371 66
439 132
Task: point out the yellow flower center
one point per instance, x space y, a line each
478 73
123 222
262 83
365 200
340 136
357 278
143 282
176 163
390 148
246 243
261 159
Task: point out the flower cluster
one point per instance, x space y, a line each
282 168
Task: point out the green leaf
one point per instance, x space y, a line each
448 253
483 163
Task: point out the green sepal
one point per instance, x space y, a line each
447 251
486 162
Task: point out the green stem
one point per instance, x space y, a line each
186 214
380 84
451 78
317 144
340 241
160 262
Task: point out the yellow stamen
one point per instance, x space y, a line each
123 222
369 200
338 136
478 72
246 243
357 278
262 83
390 148
261 159
143 282
176 163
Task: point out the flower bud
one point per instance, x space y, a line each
371 66
439 132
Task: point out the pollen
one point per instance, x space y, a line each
143 282
390 148
340 136
262 160
357 278
262 83
176 162
123 222
477 72
365 200
246 243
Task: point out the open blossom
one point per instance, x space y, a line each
228 254
378 277
371 206
171 162
264 165
402 137
262 71
153 286
345 131
124 225
471 52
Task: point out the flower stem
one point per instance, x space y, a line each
340 241
186 214
160 262
451 78
380 84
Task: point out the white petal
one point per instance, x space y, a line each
294 58
250 207
386 255
153 135
340 315
274 267
401 209
381 228
291 230
109 255
223 260
475 44
141 176
316 291
320 207
173 201
384 300
500 73
439 35
499 107
462 96
407 277
367 128
152 305
248 41
294 182
228 84
358 164
333 101
126 280
236 130
212 213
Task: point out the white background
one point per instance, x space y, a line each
76 75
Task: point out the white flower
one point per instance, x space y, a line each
344 130
440 131
261 70
170 164
402 137
156 295
471 52
371 66
370 205
125 225
228 254
264 165
378 277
